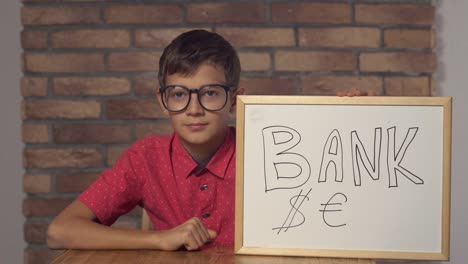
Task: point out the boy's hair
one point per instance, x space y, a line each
191 49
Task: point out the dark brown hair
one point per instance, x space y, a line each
191 49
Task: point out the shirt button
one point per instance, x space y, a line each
204 187
206 215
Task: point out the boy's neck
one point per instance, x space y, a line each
201 158
202 154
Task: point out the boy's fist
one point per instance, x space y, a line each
192 235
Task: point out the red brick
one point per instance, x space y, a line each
35 232
314 61
60 15
75 182
37 183
49 109
35 133
33 86
64 62
113 153
62 158
161 128
91 86
395 14
145 14
278 85
258 37
341 37
408 86
331 85
243 12
311 12
44 206
133 109
40 255
34 39
146 85
398 62
92 134
433 84
158 38
91 38
409 38
255 61
134 61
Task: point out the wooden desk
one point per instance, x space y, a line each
209 256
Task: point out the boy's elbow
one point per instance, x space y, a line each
55 236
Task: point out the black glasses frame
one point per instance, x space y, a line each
163 89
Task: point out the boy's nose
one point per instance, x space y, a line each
194 106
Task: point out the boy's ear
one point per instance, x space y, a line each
158 97
238 91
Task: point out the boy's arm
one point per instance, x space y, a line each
76 227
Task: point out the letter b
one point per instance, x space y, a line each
283 169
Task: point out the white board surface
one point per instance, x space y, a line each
364 177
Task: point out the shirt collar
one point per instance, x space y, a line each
184 165
219 163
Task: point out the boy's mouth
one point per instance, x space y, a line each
196 126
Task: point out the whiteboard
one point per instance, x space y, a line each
361 177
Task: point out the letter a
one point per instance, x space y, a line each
332 156
283 169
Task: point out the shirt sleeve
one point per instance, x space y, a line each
117 190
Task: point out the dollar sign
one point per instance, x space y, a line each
295 202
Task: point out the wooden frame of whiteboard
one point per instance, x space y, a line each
445 102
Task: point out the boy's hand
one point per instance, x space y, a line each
355 92
192 235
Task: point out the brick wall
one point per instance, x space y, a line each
90 74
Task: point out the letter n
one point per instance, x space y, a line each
359 156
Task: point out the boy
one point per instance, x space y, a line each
185 182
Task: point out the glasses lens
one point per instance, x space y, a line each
212 97
176 98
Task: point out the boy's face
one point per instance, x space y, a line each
196 126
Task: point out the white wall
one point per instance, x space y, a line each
452 48
452 79
11 225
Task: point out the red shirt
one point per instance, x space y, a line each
158 174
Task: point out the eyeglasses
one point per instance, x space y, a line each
212 97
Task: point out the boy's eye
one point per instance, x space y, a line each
210 93
176 93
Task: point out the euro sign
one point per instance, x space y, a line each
330 203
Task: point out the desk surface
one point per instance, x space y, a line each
210 256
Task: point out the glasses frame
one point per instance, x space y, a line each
163 89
